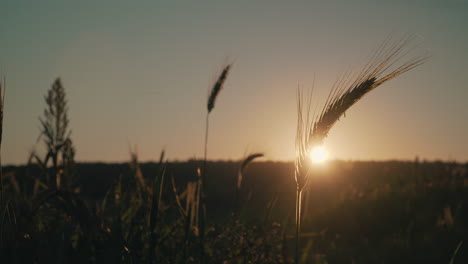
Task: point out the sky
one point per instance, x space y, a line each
137 73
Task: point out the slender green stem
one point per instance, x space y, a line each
298 222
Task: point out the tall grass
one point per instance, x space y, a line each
210 106
1 135
156 197
240 175
384 65
3 206
247 161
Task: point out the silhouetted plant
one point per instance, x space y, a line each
56 137
210 106
1 135
141 188
245 162
3 204
157 184
240 175
312 130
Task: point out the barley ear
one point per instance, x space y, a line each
382 67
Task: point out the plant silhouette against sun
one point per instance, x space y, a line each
313 129
218 85
56 137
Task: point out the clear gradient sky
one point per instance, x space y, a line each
138 72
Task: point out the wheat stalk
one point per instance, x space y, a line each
210 106
313 129
2 201
344 93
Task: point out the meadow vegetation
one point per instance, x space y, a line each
54 210
361 212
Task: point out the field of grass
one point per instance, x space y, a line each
53 210
354 212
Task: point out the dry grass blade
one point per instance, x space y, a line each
191 205
177 197
244 164
217 87
452 260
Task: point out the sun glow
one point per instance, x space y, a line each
318 154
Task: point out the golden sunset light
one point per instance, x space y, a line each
318 154
281 132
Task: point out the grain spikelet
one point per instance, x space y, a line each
345 93
217 87
380 69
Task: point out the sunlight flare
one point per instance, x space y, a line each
318 154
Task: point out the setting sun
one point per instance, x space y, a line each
318 154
